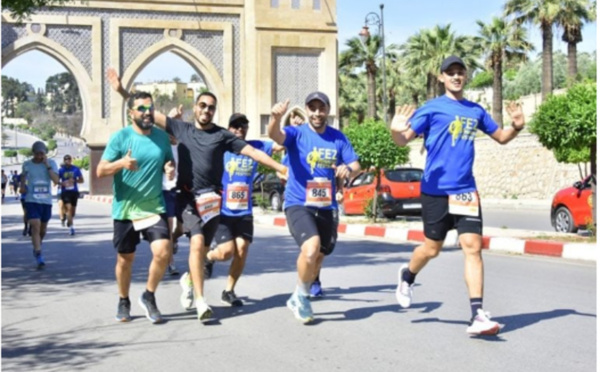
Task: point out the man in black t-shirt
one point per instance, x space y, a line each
202 148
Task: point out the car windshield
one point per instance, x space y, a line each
404 175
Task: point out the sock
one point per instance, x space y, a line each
409 276
148 294
476 304
124 299
303 289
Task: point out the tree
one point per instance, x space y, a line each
543 13
13 92
573 14
195 78
352 96
361 55
4 139
22 9
501 41
376 149
568 122
64 93
11 154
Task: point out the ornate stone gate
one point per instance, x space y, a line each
250 53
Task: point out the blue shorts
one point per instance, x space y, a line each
38 211
170 202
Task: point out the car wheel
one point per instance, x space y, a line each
563 221
276 202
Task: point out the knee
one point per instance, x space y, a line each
310 253
431 250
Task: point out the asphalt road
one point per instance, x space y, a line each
62 318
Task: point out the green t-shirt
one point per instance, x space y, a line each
138 194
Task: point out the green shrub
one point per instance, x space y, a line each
83 163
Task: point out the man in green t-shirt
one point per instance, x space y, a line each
135 156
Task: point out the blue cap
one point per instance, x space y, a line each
318 96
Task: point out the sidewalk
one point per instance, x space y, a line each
511 241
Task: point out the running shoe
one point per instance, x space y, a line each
123 311
404 291
482 324
187 295
172 269
300 306
39 259
148 303
71 231
204 311
315 289
208 268
229 297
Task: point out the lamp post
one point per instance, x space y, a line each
372 19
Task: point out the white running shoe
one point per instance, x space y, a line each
404 291
204 311
300 306
483 325
187 294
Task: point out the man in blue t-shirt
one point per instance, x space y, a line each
70 175
318 154
448 191
236 225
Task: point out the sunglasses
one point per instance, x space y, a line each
203 106
239 126
144 108
65 159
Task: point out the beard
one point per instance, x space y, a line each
143 124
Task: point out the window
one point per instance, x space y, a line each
295 4
316 4
274 3
264 122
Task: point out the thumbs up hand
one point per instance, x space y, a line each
128 162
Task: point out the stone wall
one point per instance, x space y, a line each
522 169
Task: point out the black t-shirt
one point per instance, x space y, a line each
201 154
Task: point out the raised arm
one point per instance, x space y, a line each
400 127
264 159
276 133
504 136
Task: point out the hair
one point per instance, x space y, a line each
207 93
138 95
296 111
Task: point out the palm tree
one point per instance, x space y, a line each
424 52
543 13
364 55
573 14
501 41
352 96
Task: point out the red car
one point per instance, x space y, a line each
572 207
400 192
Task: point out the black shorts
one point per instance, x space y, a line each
192 223
234 227
306 222
126 239
3 186
69 197
437 221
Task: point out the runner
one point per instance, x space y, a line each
16 181
203 146
135 157
317 155
70 175
4 182
448 191
236 226
170 191
37 176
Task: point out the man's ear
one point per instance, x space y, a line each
441 77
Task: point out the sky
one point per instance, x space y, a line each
401 20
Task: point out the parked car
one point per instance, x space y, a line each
272 189
400 192
572 207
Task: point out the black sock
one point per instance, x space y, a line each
124 299
148 294
476 304
408 276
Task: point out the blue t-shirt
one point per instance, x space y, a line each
71 173
311 156
237 180
39 183
449 128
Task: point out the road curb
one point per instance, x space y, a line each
574 251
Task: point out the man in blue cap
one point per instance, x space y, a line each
449 194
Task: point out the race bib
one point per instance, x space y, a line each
41 191
237 196
318 193
208 206
69 184
465 204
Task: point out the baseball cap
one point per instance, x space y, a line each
238 118
318 96
39 146
450 61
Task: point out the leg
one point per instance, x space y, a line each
471 246
160 259
123 272
223 251
36 240
238 263
307 262
423 253
69 213
196 262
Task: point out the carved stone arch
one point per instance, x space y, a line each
65 58
198 61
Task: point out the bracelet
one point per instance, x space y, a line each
515 128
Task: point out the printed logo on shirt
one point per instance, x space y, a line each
242 166
462 128
321 158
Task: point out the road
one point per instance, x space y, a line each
62 318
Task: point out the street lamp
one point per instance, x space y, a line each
370 20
